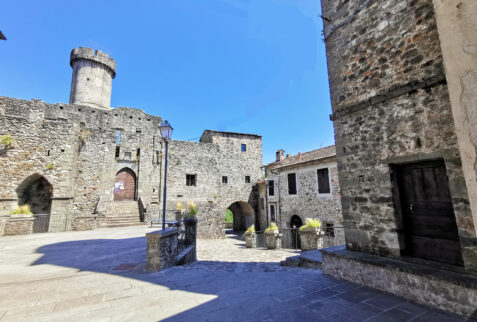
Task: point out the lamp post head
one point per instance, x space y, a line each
166 130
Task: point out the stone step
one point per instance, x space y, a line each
124 216
307 259
108 225
123 219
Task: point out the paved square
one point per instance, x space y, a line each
98 276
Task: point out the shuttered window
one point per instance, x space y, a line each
292 184
190 180
323 181
271 188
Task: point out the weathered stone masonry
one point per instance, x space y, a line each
82 154
217 154
307 202
392 111
80 143
390 106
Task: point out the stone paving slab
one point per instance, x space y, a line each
99 276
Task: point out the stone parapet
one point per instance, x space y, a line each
437 286
19 225
96 56
162 249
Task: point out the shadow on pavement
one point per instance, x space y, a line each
251 291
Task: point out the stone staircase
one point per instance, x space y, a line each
121 214
308 259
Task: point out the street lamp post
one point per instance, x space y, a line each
166 133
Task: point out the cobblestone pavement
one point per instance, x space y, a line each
98 276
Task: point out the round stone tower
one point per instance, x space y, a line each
93 73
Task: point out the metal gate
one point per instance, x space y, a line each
41 223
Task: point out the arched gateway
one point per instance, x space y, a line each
37 192
125 185
243 214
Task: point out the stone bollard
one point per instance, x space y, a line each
162 249
274 240
190 237
311 238
251 240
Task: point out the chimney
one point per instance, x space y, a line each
280 155
299 155
289 155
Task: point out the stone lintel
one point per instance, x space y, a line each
447 287
161 233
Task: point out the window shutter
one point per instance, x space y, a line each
323 181
292 183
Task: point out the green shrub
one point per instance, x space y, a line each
191 210
272 228
22 210
311 223
50 166
229 216
7 140
249 231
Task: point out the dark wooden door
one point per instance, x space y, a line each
428 216
125 185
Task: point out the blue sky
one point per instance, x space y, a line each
230 65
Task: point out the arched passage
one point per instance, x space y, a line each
243 215
295 224
37 192
125 185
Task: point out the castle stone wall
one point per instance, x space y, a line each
390 106
218 154
74 148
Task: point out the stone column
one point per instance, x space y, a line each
162 249
190 232
457 28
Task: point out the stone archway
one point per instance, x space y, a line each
125 185
243 215
37 192
295 224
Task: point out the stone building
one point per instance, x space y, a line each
302 186
219 172
85 165
404 144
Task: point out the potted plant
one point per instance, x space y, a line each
311 236
250 237
180 211
191 223
273 236
20 221
21 212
